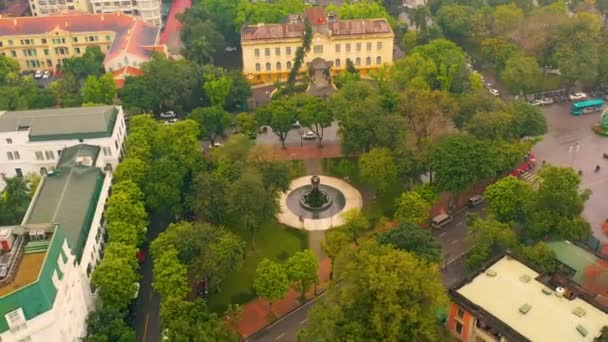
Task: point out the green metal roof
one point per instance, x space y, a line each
70 155
69 197
61 124
39 296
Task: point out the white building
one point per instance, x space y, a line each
32 141
148 10
46 263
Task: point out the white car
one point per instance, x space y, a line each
309 135
546 101
230 48
296 124
577 96
536 102
38 74
168 114
216 145
136 290
493 91
171 121
46 74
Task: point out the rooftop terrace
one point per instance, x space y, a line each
60 124
508 291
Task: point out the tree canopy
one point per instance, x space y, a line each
414 239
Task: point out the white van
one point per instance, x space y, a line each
440 221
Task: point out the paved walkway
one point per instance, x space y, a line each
352 199
308 152
255 312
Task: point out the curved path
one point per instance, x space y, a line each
352 199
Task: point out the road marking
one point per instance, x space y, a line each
442 234
459 255
304 321
280 336
453 242
146 327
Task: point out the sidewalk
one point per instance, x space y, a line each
308 152
255 312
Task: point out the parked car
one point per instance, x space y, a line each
494 91
309 135
230 48
38 74
577 96
441 221
216 145
296 124
171 121
168 114
535 102
135 290
46 74
488 85
475 201
546 101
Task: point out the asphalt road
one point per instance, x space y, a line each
330 136
147 322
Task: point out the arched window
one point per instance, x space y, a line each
258 67
358 61
279 66
267 66
378 60
337 62
368 61
288 65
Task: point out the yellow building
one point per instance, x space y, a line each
44 43
269 49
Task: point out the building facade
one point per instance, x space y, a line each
46 268
510 301
269 49
33 141
44 43
148 10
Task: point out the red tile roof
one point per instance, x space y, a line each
316 17
132 35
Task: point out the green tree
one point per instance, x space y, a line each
275 173
138 96
240 91
538 255
557 206
315 115
170 275
200 36
67 91
131 168
108 324
122 208
412 208
489 237
377 168
99 89
386 295
250 204
115 275
419 17
521 74
506 17
451 72
271 281
355 223
89 64
411 238
212 121
508 198
336 240
192 321
9 70
459 161
456 20
217 89
124 232
210 197
302 268
280 115
428 112
361 10
14 201
474 102
245 124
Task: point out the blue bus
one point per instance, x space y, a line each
586 107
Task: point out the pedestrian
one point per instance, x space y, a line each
597 168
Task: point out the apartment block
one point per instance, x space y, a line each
46 263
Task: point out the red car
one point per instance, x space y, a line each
528 164
141 256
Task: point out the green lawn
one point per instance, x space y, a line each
274 241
